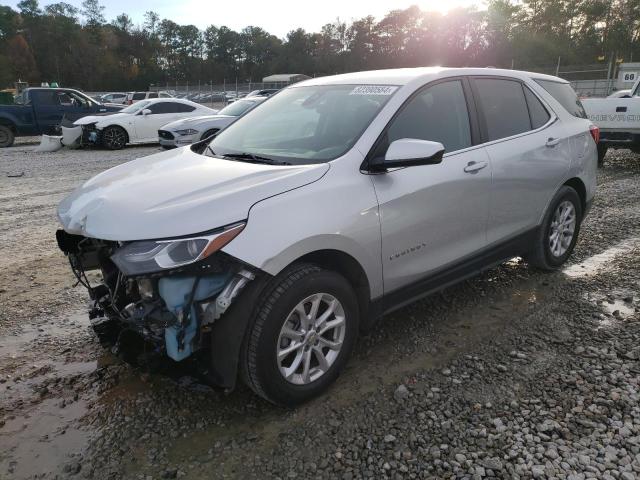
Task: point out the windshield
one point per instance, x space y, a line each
304 125
237 108
135 108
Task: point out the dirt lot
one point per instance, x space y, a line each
513 374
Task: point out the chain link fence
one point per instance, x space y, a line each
215 95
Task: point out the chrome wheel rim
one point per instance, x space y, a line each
114 138
311 339
563 226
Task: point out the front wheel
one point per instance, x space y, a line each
209 133
558 234
114 138
301 335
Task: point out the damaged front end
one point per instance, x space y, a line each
166 293
90 134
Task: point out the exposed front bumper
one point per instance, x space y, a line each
171 311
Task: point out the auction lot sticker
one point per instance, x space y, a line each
373 90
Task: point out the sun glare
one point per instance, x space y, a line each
443 6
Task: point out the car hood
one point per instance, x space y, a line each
89 119
175 193
197 121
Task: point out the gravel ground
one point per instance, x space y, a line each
514 374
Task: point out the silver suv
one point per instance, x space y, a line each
264 251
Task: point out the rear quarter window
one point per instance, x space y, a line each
139 96
565 95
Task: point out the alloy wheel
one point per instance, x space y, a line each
563 226
114 138
311 338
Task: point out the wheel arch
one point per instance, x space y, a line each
348 267
578 185
8 122
213 130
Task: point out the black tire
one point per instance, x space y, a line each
168 147
258 362
6 136
541 256
114 138
602 151
209 133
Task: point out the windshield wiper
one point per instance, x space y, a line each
254 158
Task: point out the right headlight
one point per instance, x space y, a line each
149 256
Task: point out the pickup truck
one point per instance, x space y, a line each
40 110
618 120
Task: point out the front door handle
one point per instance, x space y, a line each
552 142
474 167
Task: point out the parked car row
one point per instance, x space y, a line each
137 123
39 111
266 249
173 122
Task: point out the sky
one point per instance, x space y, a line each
277 17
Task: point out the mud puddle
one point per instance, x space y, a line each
616 306
39 443
39 413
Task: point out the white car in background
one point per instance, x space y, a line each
137 123
117 98
134 97
187 131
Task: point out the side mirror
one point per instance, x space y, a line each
146 111
410 152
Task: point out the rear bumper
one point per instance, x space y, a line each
618 139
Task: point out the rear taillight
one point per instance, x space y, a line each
595 133
129 102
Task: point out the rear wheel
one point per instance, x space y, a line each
6 136
559 232
301 335
602 151
114 138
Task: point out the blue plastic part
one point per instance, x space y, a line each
175 291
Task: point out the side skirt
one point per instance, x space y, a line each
453 273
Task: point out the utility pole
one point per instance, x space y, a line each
558 68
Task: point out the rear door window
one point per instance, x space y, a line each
162 107
438 113
565 95
503 107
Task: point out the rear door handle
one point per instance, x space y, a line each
473 167
552 142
